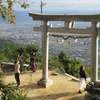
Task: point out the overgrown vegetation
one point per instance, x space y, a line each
7 92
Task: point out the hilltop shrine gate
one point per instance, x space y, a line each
93 31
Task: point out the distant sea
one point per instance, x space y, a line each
22 16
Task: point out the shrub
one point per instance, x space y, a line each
9 93
1 77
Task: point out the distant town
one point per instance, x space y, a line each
23 33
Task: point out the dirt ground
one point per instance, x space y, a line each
63 87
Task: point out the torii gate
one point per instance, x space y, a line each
69 20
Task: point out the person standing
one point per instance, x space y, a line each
33 62
17 72
82 84
20 58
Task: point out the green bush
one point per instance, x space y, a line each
38 65
1 77
9 93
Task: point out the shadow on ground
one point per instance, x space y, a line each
31 86
53 96
77 98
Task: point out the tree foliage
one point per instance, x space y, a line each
55 65
32 48
7 11
10 51
71 66
10 93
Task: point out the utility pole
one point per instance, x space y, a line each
42 4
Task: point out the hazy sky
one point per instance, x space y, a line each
62 5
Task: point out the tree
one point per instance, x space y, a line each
71 66
63 57
21 50
9 51
7 11
30 49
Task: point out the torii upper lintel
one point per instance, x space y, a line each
65 17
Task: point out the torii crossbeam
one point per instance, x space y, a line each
69 20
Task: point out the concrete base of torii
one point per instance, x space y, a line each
45 83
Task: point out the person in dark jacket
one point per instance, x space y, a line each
33 62
82 84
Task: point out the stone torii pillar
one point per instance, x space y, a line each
94 52
45 81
